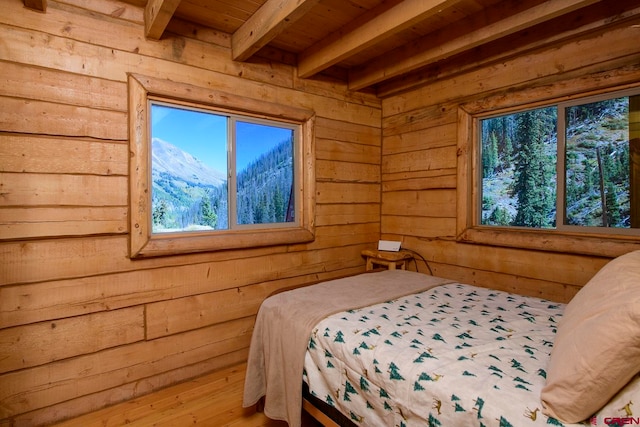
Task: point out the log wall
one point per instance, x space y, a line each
420 150
81 324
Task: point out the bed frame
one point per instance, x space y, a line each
325 414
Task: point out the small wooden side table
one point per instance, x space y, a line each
391 260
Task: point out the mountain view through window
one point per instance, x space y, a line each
216 172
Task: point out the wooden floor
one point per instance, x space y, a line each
211 400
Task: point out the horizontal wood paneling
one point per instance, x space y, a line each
435 158
420 180
43 260
61 87
334 171
16 223
48 300
348 132
55 155
433 203
548 275
26 189
348 214
81 324
41 343
345 151
182 314
330 192
420 226
48 118
56 382
554 291
417 119
115 64
430 137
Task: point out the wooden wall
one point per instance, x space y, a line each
81 324
420 150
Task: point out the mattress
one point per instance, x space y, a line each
454 355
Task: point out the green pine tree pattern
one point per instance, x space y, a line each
553 422
438 337
433 421
329 400
504 422
394 372
479 403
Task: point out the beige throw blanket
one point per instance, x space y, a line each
284 325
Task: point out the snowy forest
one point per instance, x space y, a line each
519 154
264 191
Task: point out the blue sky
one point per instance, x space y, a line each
204 135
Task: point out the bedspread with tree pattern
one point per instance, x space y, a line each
455 355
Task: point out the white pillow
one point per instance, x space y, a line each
597 347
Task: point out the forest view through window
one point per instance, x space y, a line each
214 171
566 166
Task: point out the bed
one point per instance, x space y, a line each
400 348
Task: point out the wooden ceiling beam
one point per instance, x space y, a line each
157 15
592 21
374 26
422 53
271 19
39 5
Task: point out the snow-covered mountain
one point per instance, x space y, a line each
169 159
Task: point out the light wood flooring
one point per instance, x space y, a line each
211 400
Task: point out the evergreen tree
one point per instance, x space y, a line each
490 156
500 216
533 172
507 152
589 178
614 217
278 205
159 213
207 213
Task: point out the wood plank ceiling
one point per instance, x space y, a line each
387 45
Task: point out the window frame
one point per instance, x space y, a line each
232 119
143 242
469 187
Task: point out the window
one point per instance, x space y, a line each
211 170
571 158
215 171
552 176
